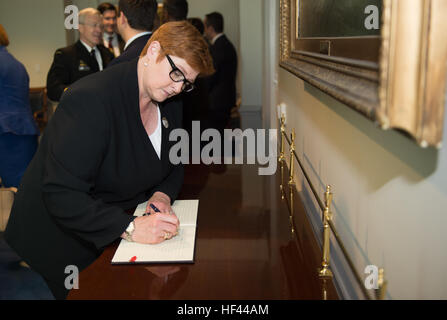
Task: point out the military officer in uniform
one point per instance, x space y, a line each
85 57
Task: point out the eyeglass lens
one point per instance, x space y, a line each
178 76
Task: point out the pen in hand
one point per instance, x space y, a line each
153 208
156 211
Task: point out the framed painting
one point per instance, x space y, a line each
384 58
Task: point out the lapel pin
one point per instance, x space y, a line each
165 122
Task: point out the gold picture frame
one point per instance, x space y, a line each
404 89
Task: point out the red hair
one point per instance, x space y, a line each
181 39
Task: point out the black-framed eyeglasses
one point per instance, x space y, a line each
177 76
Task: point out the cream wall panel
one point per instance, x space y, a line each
251 53
36 30
389 195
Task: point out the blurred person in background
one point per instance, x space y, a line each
111 39
222 84
135 24
174 10
85 57
198 23
18 130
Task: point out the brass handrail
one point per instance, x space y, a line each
327 219
320 203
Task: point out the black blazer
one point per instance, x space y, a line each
132 51
222 84
121 43
71 64
95 161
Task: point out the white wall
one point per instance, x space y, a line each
82 4
270 31
390 196
251 50
35 30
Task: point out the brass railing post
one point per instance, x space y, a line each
323 290
292 151
325 271
281 158
328 227
382 283
282 132
291 180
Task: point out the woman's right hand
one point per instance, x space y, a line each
155 228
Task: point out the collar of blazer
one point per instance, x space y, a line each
219 35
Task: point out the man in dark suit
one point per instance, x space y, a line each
222 85
135 23
111 39
85 57
174 10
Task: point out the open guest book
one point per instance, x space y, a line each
179 249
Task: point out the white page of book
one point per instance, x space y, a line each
178 249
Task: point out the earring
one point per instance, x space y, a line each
145 64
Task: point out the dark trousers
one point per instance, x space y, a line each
16 153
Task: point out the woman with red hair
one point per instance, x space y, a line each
105 150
